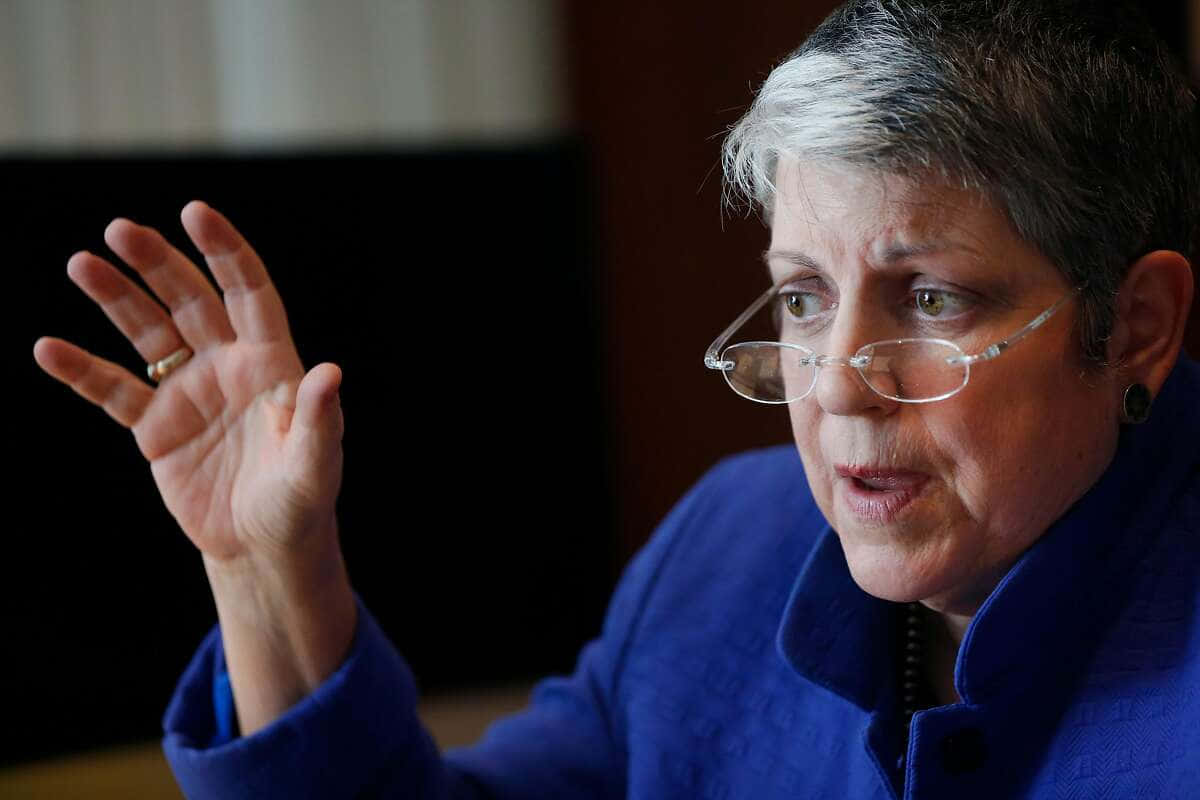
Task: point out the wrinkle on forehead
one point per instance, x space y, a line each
891 215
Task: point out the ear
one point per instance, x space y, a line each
1152 312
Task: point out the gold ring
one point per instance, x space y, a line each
163 367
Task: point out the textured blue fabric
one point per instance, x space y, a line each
223 709
739 660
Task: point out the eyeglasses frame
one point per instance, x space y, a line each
713 360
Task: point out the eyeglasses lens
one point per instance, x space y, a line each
914 369
908 370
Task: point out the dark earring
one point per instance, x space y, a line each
1135 406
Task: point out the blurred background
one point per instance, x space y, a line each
500 217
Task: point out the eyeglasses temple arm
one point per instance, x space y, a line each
712 358
999 347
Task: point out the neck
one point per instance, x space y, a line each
944 634
953 626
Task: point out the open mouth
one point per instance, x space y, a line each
878 495
876 484
881 479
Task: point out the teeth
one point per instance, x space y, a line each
888 484
887 481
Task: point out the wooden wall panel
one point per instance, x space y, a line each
655 85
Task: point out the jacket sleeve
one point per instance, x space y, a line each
358 734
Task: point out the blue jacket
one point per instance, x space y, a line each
738 659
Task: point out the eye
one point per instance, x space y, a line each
936 302
801 305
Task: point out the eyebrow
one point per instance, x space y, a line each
791 257
999 285
891 254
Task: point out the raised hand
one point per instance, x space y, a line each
245 447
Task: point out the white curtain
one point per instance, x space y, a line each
118 74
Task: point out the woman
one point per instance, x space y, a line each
978 578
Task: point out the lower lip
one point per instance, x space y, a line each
879 506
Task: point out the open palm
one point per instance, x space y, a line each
245 448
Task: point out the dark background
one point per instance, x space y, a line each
570 285
476 511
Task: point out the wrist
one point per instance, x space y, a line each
270 587
287 623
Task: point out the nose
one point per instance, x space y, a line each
841 389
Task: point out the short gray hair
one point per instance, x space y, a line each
1071 117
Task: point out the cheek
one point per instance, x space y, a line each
971 456
806 434
993 451
1016 466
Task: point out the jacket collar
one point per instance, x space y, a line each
1050 606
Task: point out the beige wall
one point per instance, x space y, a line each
170 73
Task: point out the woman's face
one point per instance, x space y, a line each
935 501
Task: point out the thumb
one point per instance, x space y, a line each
317 421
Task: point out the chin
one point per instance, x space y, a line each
941 581
900 574
887 583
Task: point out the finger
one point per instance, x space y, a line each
143 321
195 306
112 387
315 436
255 308
314 397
